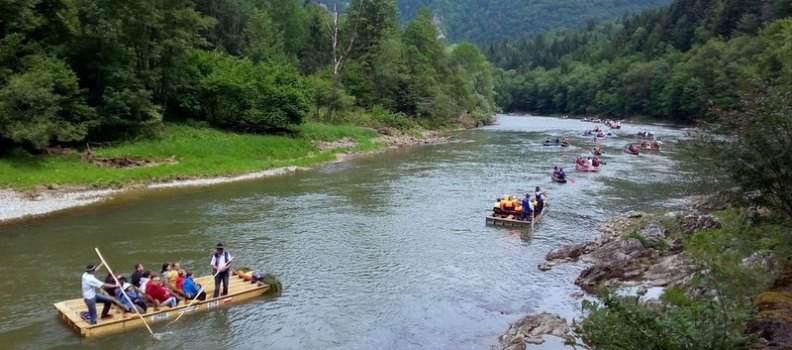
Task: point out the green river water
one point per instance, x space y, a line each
388 251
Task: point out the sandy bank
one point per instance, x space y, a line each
16 206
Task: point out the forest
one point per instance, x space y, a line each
487 21
682 62
76 71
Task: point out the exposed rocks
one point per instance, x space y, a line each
690 224
529 330
763 259
429 137
342 143
705 204
634 246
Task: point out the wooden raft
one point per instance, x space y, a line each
239 289
502 220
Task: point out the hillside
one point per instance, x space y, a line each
487 21
684 61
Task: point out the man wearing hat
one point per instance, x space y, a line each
221 262
89 285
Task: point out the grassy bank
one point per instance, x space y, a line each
180 151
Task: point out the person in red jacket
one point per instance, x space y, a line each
156 290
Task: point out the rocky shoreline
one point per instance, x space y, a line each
16 206
636 251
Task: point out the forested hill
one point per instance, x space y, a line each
103 71
487 21
682 61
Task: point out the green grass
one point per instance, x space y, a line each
201 152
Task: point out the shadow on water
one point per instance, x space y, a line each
388 251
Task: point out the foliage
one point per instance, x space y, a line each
238 94
674 62
682 323
110 71
710 311
484 22
757 136
43 104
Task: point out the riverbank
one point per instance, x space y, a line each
181 156
710 256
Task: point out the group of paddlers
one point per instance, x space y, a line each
653 144
588 163
558 140
525 209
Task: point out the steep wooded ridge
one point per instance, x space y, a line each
683 61
488 21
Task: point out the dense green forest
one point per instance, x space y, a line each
681 62
98 70
487 21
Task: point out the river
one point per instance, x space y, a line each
388 251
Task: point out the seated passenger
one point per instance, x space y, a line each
180 280
191 289
497 205
588 162
561 174
595 162
135 302
159 293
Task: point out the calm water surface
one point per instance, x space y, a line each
382 252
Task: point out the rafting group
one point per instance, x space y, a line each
145 289
558 142
651 146
588 164
510 205
645 134
559 175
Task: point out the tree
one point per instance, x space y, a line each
758 137
43 104
340 51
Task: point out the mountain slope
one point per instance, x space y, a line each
487 21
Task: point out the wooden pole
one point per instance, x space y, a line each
202 289
124 292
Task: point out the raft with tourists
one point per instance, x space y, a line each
511 218
240 289
593 169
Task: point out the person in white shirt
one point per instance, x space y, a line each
221 262
144 280
89 285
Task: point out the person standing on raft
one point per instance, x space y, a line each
221 262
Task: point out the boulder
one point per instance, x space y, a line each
691 224
617 251
529 330
571 252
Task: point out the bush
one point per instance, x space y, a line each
399 121
239 95
43 104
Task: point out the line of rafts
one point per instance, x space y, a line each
243 288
